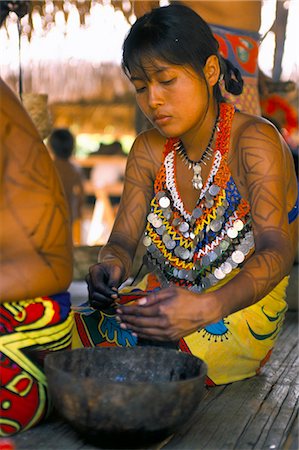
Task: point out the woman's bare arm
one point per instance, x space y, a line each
143 162
265 174
35 238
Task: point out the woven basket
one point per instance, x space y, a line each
37 107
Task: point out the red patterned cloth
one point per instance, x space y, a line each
29 330
241 48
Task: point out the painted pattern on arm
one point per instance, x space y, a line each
35 230
262 160
259 170
138 191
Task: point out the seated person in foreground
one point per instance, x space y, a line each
35 267
213 194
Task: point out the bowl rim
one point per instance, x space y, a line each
202 373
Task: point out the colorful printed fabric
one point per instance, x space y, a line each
29 330
94 328
241 48
238 346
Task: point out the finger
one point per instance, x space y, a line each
115 275
99 301
101 282
136 310
97 284
144 322
109 275
156 297
148 305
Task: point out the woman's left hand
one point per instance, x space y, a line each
169 314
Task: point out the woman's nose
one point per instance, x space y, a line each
154 97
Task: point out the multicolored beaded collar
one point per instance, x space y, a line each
197 249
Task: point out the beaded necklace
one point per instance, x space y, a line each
197 249
196 165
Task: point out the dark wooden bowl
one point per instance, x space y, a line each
125 397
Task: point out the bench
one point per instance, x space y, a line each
258 413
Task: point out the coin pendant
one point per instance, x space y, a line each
238 225
226 267
214 189
219 274
215 225
164 202
151 216
238 257
157 222
197 212
184 227
176 222
147 241
170 244
232 232
220 210
212 256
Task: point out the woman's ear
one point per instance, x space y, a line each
212 70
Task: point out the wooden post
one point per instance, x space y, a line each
279 28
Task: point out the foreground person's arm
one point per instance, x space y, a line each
35 238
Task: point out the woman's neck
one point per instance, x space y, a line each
198 139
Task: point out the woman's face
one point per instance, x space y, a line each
174 98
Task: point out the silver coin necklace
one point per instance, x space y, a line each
197 182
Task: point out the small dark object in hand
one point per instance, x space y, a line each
125 397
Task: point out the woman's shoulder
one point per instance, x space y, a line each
149 143
243 121
147 153
152 137
253 128
255 138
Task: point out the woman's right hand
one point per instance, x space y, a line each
102 282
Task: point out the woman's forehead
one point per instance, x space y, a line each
148 66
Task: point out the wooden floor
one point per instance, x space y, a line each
259 413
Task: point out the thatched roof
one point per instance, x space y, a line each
95 117
80 82
48 9
82 63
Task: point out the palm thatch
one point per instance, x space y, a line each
66 76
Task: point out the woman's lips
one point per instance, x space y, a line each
161 119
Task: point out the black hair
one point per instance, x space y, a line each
62 142
177 34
